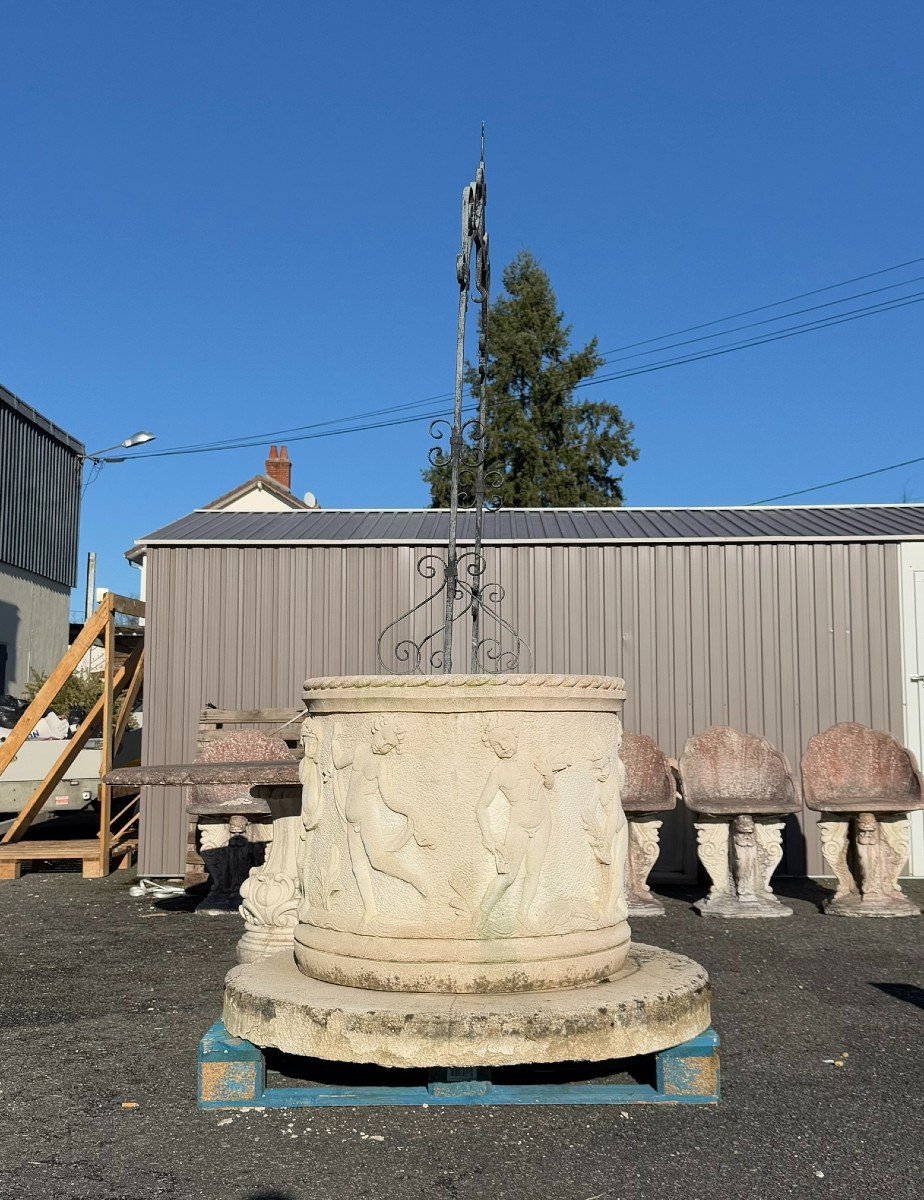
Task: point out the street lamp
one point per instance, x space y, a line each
136 439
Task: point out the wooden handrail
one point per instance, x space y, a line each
52 685
39 797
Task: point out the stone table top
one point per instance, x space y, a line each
265 776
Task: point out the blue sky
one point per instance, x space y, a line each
224 218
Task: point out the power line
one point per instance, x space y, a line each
322 428
818 487
304 437
780 335
796 312
747 312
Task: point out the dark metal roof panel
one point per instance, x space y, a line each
332 526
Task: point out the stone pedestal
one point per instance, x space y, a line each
740 855
469 835
230 847
270 894
870 887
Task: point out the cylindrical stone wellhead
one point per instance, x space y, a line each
462 833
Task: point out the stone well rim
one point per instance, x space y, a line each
464 693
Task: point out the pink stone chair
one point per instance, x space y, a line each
740 787
865 782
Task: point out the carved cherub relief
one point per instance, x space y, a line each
526 788
362 802
605 823
313 778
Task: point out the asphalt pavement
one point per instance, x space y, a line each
103 998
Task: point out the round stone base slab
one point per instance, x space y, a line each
657 999
456 965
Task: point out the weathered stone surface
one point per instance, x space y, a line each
644 848
851 768
725 772
199 774
740 855
870 887
270 894
649 785
738 783
657 999
464 833
648 788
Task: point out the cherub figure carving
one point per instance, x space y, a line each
605 823
368 793
310 774
312 778
526 789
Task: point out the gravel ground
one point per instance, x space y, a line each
103 999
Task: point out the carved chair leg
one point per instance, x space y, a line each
712 846
644 848
834 846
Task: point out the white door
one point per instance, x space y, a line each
912 590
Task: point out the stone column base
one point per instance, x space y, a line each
262 942
727 904
657 999
872 906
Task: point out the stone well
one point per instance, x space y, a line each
463 833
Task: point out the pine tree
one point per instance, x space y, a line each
545 446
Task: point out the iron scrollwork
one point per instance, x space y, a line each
461 447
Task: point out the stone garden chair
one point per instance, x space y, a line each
865 783
649 791
740 787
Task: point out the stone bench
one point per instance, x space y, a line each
740 787
865 783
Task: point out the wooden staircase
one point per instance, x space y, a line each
116 841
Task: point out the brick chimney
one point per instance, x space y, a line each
278 467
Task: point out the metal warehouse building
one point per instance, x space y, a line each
779 621
40 468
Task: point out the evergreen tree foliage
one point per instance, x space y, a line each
547 446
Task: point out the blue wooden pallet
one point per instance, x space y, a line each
232 1074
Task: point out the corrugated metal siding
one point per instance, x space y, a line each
781 640
550 525
39 495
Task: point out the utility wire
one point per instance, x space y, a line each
322 428
796 312
818 487
780 335
747 312
303 437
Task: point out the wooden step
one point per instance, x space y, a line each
12 856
